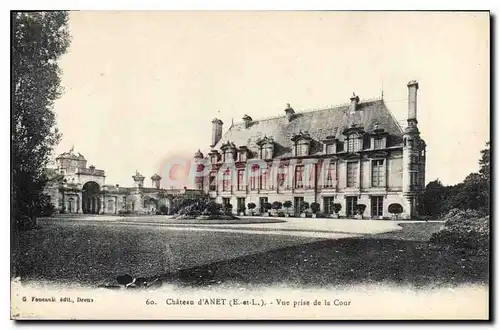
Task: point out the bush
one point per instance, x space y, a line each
281 214
465 230
287 205
163 209
277 205
395 208
361 208
267 206
251 206
48 210
228 208
304 206
337 207
315 207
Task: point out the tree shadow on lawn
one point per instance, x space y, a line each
362 260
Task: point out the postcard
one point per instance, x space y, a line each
250 165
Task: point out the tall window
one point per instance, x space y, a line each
214 159
330 175
353 144
352 174
299 176
377 206
264 179
330 148
378 143
254 178
241 178
328 205
351 205
226 181
242 156
283 170
213 181
378 173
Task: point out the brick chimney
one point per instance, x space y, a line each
216 131
412 102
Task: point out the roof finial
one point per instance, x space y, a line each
72 148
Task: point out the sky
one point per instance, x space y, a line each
142 87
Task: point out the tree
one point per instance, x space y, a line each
38 40
315 207
277 205
337 207
287 205
484 163
433 199
251 207
361 209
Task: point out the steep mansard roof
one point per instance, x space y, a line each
319 124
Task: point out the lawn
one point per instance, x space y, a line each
402 258
96 254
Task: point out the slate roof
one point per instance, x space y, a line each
319 124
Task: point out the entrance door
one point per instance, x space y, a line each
377 206
262 201
352 203
90 196
241 203
328 205
297 202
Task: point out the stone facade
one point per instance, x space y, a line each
352 154
75 188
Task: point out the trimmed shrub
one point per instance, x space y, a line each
267 206
277 205
361 208
287 205
304 206
315 207
396 209
228 208
337 207
251 206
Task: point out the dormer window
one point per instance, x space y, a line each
378 138
266 147
302 144
354 135
378 143
330 145
229 150
214 156
353 143
242 156
330 148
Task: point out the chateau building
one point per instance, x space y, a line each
75 188
352 154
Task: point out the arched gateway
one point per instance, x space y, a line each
91 198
